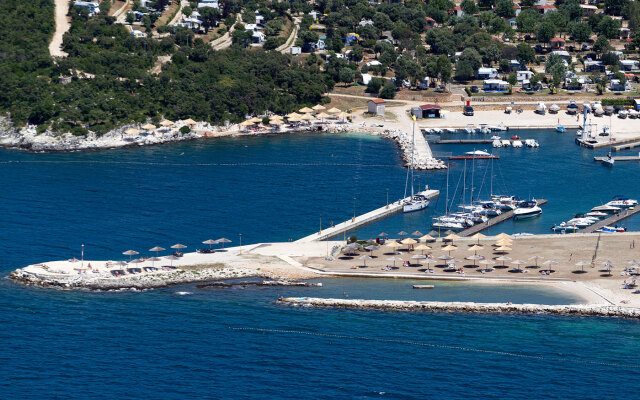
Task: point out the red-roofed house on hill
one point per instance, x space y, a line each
430 111
546 8
376 106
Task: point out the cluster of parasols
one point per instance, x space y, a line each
502 246
307 115
165 125
178 247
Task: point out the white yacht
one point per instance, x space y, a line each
416 202
620 201
527 209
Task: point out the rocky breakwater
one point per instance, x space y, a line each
50 277
28 138
580 310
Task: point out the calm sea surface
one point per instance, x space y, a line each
236 343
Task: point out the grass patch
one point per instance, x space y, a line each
200 267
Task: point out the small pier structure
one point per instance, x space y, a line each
363 219
464 141
619 158
605 143
614 219
493 221
627 146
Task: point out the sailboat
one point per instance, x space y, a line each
416 202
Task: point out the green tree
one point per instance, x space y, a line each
469 7
527 21
187 11
347 75
601 45
130 18
545 32
580 32
505 8
374 85
609 27
525 54
614 7
388 90
444 69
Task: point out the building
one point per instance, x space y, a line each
546 9
429 111
209 3
557 43
295 50
524 75
495 85
430 22
593 66
564 54
376 106
617 86
486 73
588 10
629 65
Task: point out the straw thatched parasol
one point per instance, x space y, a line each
246 122
295 118
322 115
486 262
503 249
364 258
166 122
307 117
409 241
305 110
427 238
422 247
256 120
293 115
334 111
148 127
416 233
475 248
503 235
478 236
394 259
535 258
503 259
318 107
189 122
132 131
449 248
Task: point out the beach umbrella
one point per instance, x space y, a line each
148 127
223 241
334 111
475 248
189 122
451 237
383 234
502 236
394 259
402 233
445 257
518 263
166 122
157 249
449 248
486 263
130 253
255 120
178 246
295 119
503 243
433 233
132 131
503 259
305 110
172 258
409 241
246 122
364 259
371 248
322 115
448 232
581 264
422 248
416 233
427 238
210 242
318 107
535 258
293 115
549 264
307 117
419 257
478 236
153 260
503 249
393 244
475 258
452 263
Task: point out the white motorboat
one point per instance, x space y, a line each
495 137
531 143
608 162
517 144
527 209
622 114
554 109
597 214
563 227
623 202
612 229
496 144
541 108
606 208
478 153
506 143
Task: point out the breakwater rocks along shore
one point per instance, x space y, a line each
28 139
467 307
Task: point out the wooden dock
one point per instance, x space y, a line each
606 143
612 220
493 221
363 219
619 158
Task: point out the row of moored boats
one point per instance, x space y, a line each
581 221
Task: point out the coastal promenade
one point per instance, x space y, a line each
360 220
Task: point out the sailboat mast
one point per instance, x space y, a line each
473 163
446 205
464 183
491 188
413 150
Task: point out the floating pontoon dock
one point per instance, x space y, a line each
363 219
623 214
493 221
619 158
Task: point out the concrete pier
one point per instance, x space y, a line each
612 220
606 143
363 219
619 158
493 221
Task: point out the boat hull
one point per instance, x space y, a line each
415 206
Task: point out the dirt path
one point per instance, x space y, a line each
62 26
292 37
225 40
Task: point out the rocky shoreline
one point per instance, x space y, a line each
578 310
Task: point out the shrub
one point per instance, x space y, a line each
185 129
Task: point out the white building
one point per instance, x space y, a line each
486 73
376 106
524 75
495 85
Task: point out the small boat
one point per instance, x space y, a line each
415 203
517 144
508 109
621 201
612 229
477 157
506 143
633 114
531 143
598 111
527 209
563 227
608 110
496 143
572 108
515 137
554 109
495 137
609 161
606 208
622 114
478 153
560 129
541 108
597 214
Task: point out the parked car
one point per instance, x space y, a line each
468 111
475 89
586 47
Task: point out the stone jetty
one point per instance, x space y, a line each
581 310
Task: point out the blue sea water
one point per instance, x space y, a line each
237 343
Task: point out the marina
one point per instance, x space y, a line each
612 220
367 218
628 146
494 221
617 158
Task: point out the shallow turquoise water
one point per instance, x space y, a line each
157 344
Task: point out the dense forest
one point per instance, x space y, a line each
111 84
